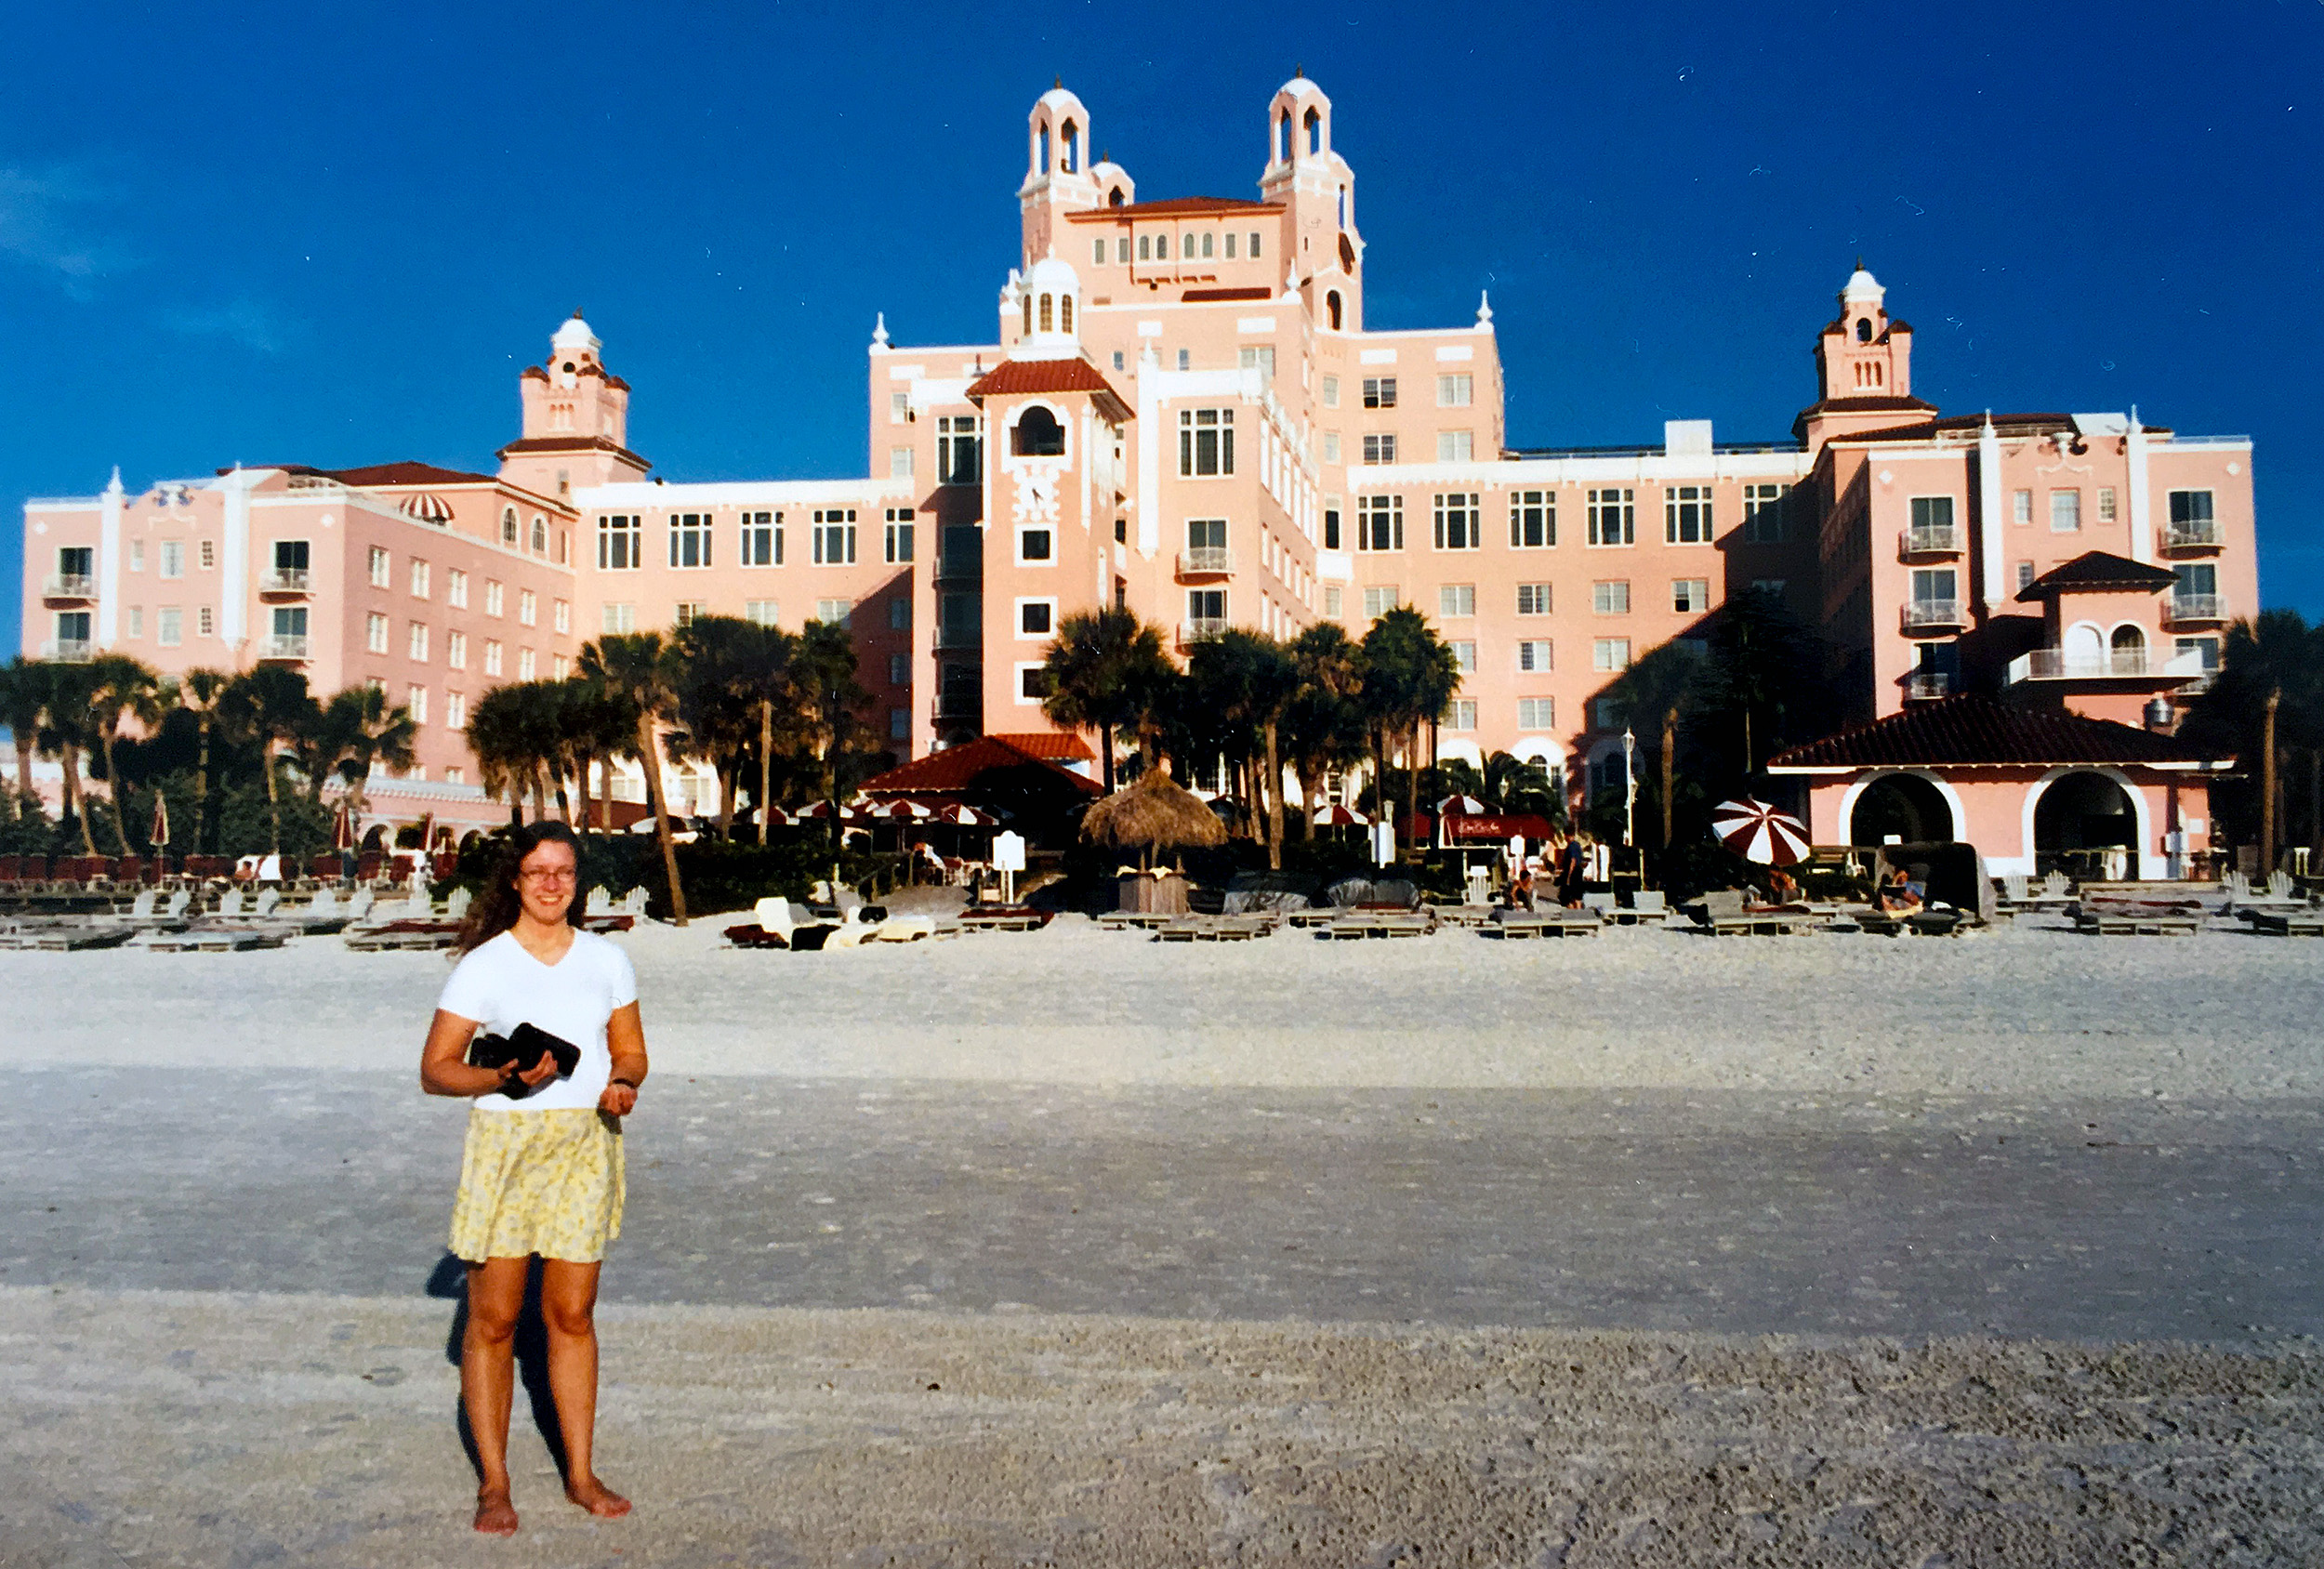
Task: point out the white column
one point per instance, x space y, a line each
1149 457
109 565
233 578
2142 522
1992 526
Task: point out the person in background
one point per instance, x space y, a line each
1899 895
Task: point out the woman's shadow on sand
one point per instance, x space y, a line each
449 1281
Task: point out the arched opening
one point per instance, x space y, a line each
1315 133
1114 200
1283 139
1331 309
1064 313
2130 651
2085 648
1040 156
1347 255
1038 434
1344 206
540 534
1026 304
1864 329
1048 311
1072 148
509 525
1904 805
2084 826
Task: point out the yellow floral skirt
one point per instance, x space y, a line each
549 1182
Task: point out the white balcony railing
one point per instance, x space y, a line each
1927 686
67 651
1205 561
1941 539
286 580
1929 615
286 645
2059 665
1196 627
68 586
2197 534
2196 607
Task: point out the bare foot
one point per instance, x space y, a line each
597 1498
495 1516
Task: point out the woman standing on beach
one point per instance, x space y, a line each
542 1172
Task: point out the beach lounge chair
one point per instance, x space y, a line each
771 925
1004 917
1647 907
2308 922
1520 924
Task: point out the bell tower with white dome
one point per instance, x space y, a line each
1318 189
1863 367
577 419
1059 178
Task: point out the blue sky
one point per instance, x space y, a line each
266 233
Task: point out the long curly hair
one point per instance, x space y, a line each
497 910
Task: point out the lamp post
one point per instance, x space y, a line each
1629 785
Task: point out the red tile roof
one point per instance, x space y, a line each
388 475
1974 730
572 444
1177 207
2096 571
1056 746
1027 377
957 769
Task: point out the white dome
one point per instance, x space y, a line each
1059 99
1299 86
1052 274
574 334
1862 285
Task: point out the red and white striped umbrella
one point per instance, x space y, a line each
1461 805
966 816
1340 817
343 827
159 836
824 808
903 811
1758 832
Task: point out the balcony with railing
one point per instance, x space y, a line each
1194 628
1205 561
954 635
1927 686
67 651
1934 539
2113 663
291 646
287 581
958 566
958 708
1925 617
2194 610
68 586
2193 536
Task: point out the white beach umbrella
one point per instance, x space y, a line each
1461 805
1758 832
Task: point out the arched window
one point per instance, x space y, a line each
2130 651
1315 132
1283 139
1064 313
1073 148
1331 309
1864 329
540 534
1114 200
1048 307
509 526
1040 138
1344 206
1027 303
1038 434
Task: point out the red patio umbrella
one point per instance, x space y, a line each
1340 817
343 827
824 808
1758 832
1461 805
903 811
966 816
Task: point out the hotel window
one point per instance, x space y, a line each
2205 650
540 534
1334 602
1454 446
899 669
619 618
206 622
1380 391
1117 359
562 616
136 621
1331 391
900 720
509 527
1465 657
456 650
1097 253
833 535
174 562
415 704
1206 441
689 539
1456 521
1035 618
1461 714
1259 356
1454 392
1380 448
1690 596
1035 546
208 554
492 649
1331 446
1610 599
687 611
2196 580
2024 576
1331 523
1613 517
1033 682
1379 600
1533 599
1455 601
762 539
1534 655
374 632
1145 247
2021 506
416 642
1932 514
961 449
1762 513
1379 522
1537 713
834 612
759 612
900 404
2190 514
1609 655
560 668
456 589
1686 515
419 579
1254 245
1186 357
1161 247
1532 520
2066 511
136 555
620 542
170 627
898 541
899 463
527 607
899 614
525 667
1205 608
454 710
493 598
2106 512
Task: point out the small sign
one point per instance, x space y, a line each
1383 844
1008 851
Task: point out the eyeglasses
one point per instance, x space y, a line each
554 874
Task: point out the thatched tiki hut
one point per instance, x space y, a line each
1155 814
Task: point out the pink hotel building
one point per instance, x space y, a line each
1181 411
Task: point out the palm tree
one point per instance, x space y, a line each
121 688
734 672
25 685
823 676
361 731
1323 729
637 669
1769 671
597 724
67 730
2277 655
1410 675
271 707
1670 681
1102 668
1250 679
198 692
505 732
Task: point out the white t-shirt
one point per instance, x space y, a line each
500 986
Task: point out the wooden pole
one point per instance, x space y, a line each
2267 784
